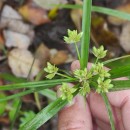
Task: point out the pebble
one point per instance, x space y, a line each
13 39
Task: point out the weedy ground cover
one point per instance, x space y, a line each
97 78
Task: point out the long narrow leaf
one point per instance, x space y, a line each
86 25
69 6
23 93
120 85
44 115
120 72
109 110
18 107
11 78
98 9
115 13
116 59
48 93
45 84
47 113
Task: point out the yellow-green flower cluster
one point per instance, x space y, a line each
73 37
67 92
100 70
99 52
103 85
83 76
51 70
85 88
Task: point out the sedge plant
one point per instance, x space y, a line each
97 78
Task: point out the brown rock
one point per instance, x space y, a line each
58 57
42 54
34 15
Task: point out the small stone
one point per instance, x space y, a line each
15 25
14 39
125 37
42 54
58 57
49 4
9 12
20 62
34 15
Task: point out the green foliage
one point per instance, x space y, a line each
44 115
109 110
27 116
102 10
86 27
97 78
3 104
13 110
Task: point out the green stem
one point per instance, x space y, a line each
39 75
36 95
86 25
63 75
77 52
65 72
109 110
18 107
96 61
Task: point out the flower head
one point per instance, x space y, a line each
82 74
51 69
100 70
67 92
73 37
104 85
84 89
99 52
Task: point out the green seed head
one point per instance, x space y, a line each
73 37
51 69
103 85
99 52
67 92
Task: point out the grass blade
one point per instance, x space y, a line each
49 94
111 12
120 85
16 113
20 101
23 93
45 84
44 115
11 78
69 6
120 72
115 59
109 110
86 25
102 10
